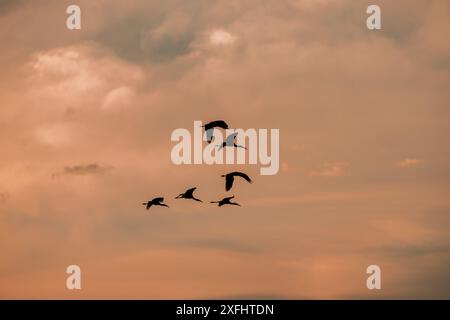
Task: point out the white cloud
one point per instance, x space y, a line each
408 162
118 98
78 76
66 70
221 37
330 170
55 135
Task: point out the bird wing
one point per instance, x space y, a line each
228 182
157 200
149 204
218 123
242 175
230 139
190 192
228 198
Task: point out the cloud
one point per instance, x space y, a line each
113 93
222 244
221 38
118 99
411 250
86 169
330 170
81 76
408 162
4 196
55 135
66 70
7 5
170 39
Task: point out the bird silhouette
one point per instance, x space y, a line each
230 141
226 201
155 202
189 194
209 128
229 178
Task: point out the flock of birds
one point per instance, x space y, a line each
230 141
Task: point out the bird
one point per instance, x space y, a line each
209 128
155 202
189 194
226 201
230 141
229 178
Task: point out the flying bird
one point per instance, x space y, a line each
230 141
209 128
189 194
155 202
226 201
229 178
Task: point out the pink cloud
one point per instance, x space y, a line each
408 162
330 170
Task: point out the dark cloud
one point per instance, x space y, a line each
222 244
411 250
7 5
155 36
433 284
92 168
3 197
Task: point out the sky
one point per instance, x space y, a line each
85 123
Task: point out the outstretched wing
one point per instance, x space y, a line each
231 138
242 175
158 200
190 192
228 182
217 123
228 198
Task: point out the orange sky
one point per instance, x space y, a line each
364 124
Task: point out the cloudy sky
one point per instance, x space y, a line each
85 124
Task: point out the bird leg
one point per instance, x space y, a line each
239 146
